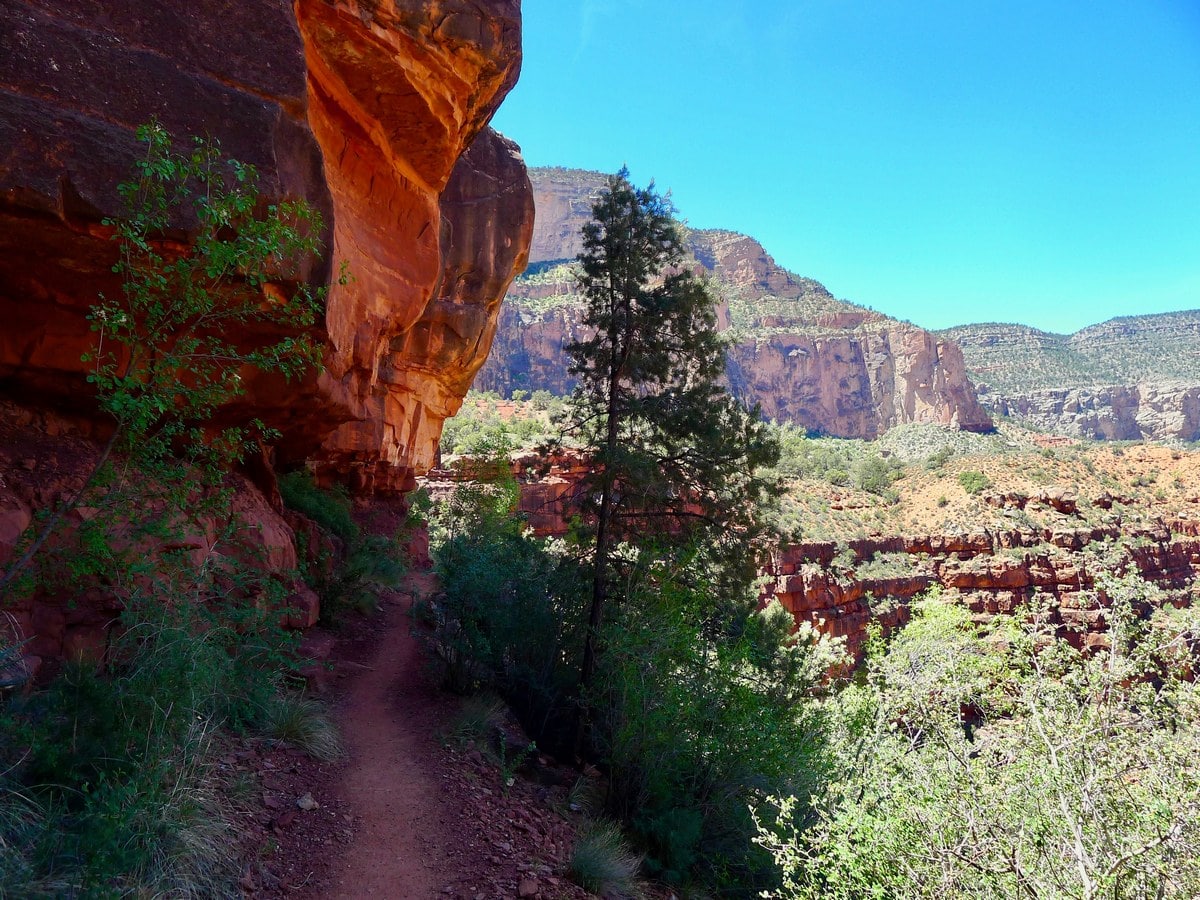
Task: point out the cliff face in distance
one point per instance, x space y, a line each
805 356
1128 378
375 114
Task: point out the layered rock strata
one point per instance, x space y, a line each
805 356
991 573
842 589
1129 378
1154 410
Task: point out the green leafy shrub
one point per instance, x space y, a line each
510 615
974 482
365 564
972 768
107 783
875 475
329 508
701 716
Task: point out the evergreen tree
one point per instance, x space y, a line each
673 455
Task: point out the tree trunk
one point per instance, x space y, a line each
603 538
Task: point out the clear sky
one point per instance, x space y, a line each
948 161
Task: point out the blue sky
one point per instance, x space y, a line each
1028 161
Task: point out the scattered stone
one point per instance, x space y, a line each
307 803
527 888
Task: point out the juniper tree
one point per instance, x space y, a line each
673 454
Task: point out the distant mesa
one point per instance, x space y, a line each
808 358
1129 378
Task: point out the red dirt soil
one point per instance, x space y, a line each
404 815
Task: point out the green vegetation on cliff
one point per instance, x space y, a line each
1015 359
109 784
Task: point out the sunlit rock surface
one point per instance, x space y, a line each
806 357
365 111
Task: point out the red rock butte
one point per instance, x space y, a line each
375 115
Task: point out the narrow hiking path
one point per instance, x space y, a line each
405 815
388 722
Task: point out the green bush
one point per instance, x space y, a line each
701 717
700 706
510 615
329 508
875 475
970 767
120 760
364 564
974 482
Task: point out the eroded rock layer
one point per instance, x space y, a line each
805 356
1129 378
365 111
842 588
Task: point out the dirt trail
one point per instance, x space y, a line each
403 816
388 721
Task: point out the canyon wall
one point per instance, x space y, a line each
1129 378
365 112
376 115
1155 410
806 357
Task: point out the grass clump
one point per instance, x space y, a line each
302 723
477 720
603 863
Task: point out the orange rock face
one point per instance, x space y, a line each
364 110
424 370
376 114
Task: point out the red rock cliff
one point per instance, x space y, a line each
805 356
364 111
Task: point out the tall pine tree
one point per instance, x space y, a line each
673 454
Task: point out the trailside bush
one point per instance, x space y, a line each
330 508
973 768
698 721
510 615
364 564
700 707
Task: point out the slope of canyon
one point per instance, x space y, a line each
1129 378
806 357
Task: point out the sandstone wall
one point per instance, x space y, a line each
374 113
805 356
857 384
365 111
